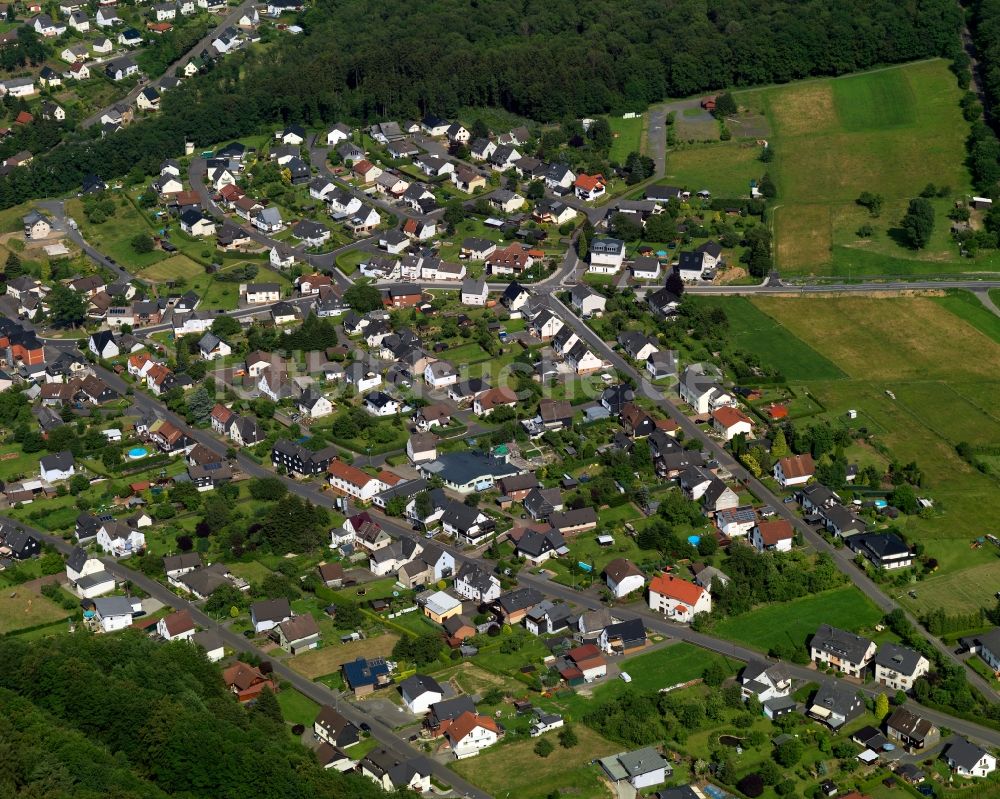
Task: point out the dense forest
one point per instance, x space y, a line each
362 61
97 716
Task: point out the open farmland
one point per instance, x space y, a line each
889 131
937 357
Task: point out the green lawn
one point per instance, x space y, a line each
349 261
724 168
628 137
297 708
513 769
793 622
753 331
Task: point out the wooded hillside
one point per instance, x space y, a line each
364 61
96 716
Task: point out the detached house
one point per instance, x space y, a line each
772 536
794 470
969 760
678 599
623 577
898 667
847 652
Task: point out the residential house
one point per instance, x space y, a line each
390 772
440 605
352 481
335 729
885 551
835 704
266 614
765 681
700 387
898 667
113 613
57 466
642 768
298 634
476 585
606 256
969 760
844 651
623 577
247 681
730 422
623 637
586 301
513 606
419 692
474 292
470 733
914 733
794 470
772 536
678 599
176 626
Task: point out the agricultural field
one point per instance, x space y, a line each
937 356
889 131
793 622
752 330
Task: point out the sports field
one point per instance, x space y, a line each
938 356
793 622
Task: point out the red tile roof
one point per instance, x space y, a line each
681 590
774 531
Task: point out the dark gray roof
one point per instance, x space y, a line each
963 753
841 643
77 558
420 684
898 658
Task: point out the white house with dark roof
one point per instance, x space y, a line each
844 651
898 667
969 760
606 256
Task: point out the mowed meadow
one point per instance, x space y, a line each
890 131
939 357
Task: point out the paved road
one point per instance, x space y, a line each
656 139
57 210
841 557
230 19
984 298
318 692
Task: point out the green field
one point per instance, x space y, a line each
752 330
724 168
628 137
937 356
513 769
889 131
177 266
297 708
793 622
22 607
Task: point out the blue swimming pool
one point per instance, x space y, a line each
137 452
694 540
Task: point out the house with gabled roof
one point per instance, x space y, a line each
844 651
678 599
